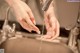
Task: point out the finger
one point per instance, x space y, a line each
28 19
31 16
24 25
33 27
50 33
47 36
46 20
55 25
53 22
57 31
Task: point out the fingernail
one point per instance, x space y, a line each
30 30
38 32
34 22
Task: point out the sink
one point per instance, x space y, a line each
32 45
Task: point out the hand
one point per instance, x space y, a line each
23 14
52 24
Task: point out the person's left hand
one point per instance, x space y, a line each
51 23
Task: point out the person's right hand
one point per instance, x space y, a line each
23 14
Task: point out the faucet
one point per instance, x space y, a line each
74 34
7 31
73 37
